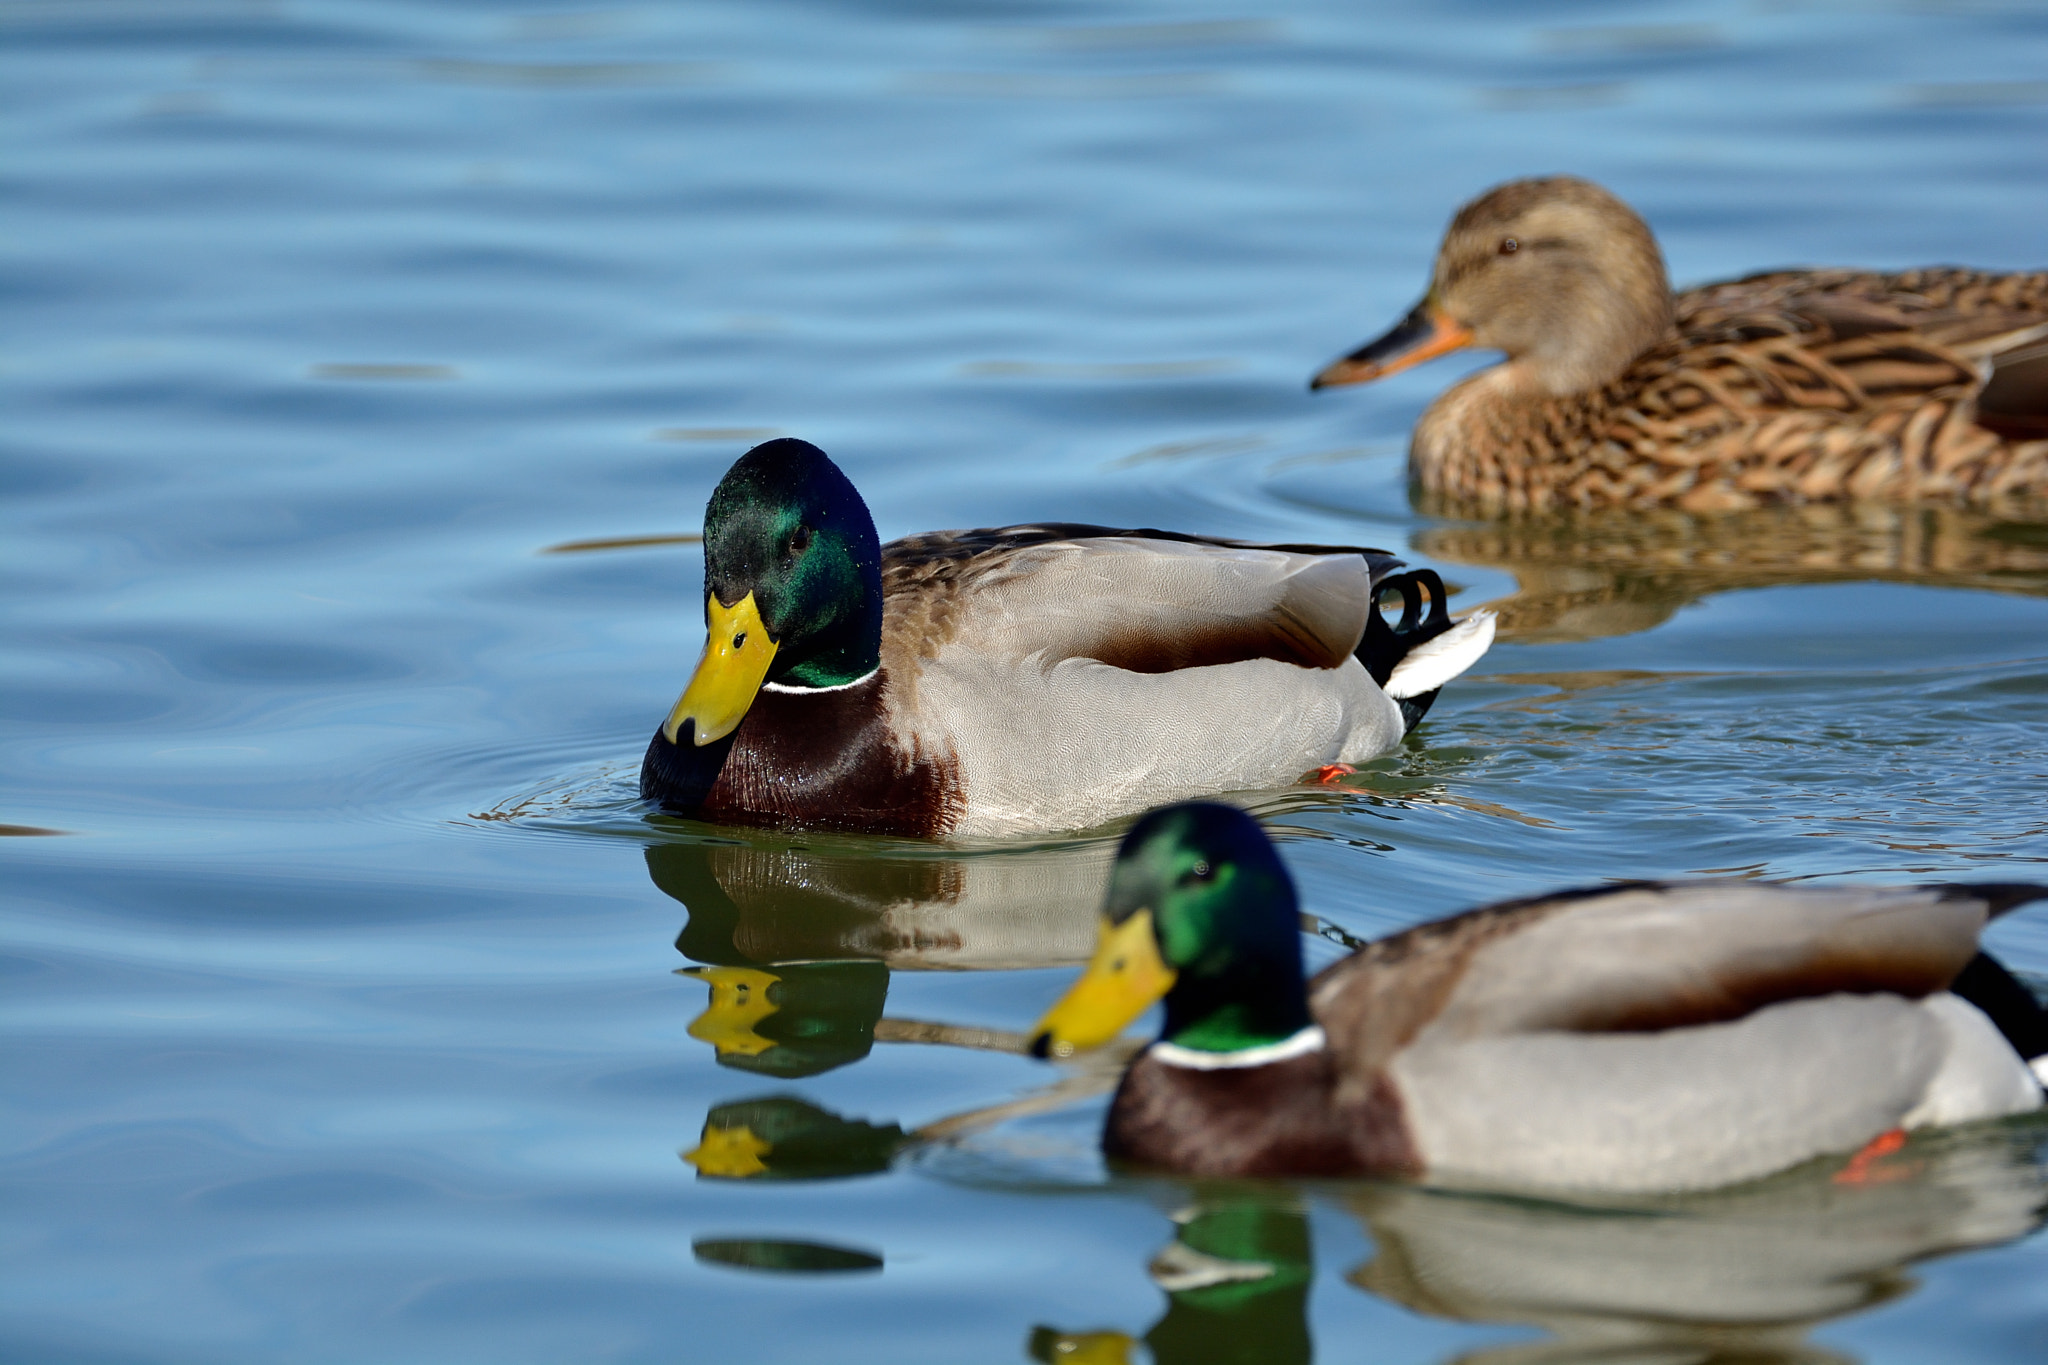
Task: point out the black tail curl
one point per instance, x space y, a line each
1425 614
2007 1002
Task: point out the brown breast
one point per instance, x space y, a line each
829 760
1274 1120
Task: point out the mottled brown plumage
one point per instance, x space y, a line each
1794 385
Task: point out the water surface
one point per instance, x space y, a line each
357 1010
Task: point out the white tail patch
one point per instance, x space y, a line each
1435 662
1980 1078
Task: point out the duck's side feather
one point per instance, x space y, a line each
1072 744
1645 956
1081 677
1658 1035
1372 1003
1671 956
1697 1107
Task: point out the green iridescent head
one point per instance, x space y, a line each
793 587
1201 913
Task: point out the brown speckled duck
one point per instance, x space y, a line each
1795 385
1635 1036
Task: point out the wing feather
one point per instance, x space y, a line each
1664 956
1141 601
1645 956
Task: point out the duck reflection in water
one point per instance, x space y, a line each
1591 574
1738 1275
785 1137
796 939
1236 1276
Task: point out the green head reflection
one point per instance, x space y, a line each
781 1137
791 1021
1236 1276
772 1018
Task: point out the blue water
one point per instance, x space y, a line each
343 1016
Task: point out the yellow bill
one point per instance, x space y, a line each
1085 1348
1123 979
739 1000
737 653
729 1153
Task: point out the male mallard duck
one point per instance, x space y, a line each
1027 678
1795 385
1638 1036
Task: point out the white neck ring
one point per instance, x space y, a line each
1310 1039
835 687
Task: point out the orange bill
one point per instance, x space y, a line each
1427 332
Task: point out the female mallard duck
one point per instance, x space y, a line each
1638 1036
1796 385
1028 678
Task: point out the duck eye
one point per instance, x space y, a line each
1509 246
799 540
1200 872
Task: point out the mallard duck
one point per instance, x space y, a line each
1028 678
1796 385
1638 1036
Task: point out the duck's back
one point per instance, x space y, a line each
1952 305
1664 1036
1076 673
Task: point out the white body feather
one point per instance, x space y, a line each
1075 742
1537 1068
1082 743
1694 1108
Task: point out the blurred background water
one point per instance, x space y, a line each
342 1007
